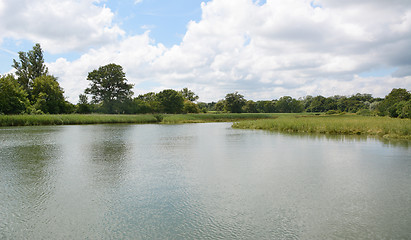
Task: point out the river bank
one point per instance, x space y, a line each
334 124
78 119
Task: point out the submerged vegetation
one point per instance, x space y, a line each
334 124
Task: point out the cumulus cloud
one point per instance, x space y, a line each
264 51
60 26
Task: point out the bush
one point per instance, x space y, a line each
364 112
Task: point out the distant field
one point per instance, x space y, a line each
334 124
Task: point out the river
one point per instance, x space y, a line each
200 181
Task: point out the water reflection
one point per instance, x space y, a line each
199 181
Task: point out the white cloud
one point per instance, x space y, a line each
59 25
263 51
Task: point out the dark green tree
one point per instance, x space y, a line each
288 104
190 107
170 101
389 105
48 95
13 98
30 66
83 105
234 102
109 86
250 107
189 95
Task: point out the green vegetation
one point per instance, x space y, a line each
72 119
216 117
334 124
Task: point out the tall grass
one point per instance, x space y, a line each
72 119
344 124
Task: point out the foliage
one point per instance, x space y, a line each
334 124
189 95
13 98
48 95
389 105
30 66
109 86
190 107
250 107
234 102
288 104
83 105
170 101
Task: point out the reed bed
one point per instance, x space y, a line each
76 119
343 124
72 119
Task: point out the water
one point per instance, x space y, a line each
199 181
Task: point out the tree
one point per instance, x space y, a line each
48 95
250 107
83 105
190 107
109 86
234 102
189 95
13 98
30 67
170 101
388 105
288 104
147 103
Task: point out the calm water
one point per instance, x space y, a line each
199 181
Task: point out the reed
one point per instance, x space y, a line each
75 119
343 124
72 119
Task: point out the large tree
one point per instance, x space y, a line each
234 102
13 98
109 86
29 67
189 95
170 101
48 95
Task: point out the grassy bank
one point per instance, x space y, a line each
214 117
75 119
335 124
72 119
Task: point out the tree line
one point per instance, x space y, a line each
32 90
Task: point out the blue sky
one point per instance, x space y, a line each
263 49
166 20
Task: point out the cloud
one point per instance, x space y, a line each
60 26
264 51
138 1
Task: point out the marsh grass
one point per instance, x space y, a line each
72 119
335 124
76 119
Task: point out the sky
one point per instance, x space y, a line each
262 49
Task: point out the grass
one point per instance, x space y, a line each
72 119
75 119
213 117
335 124
294 123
